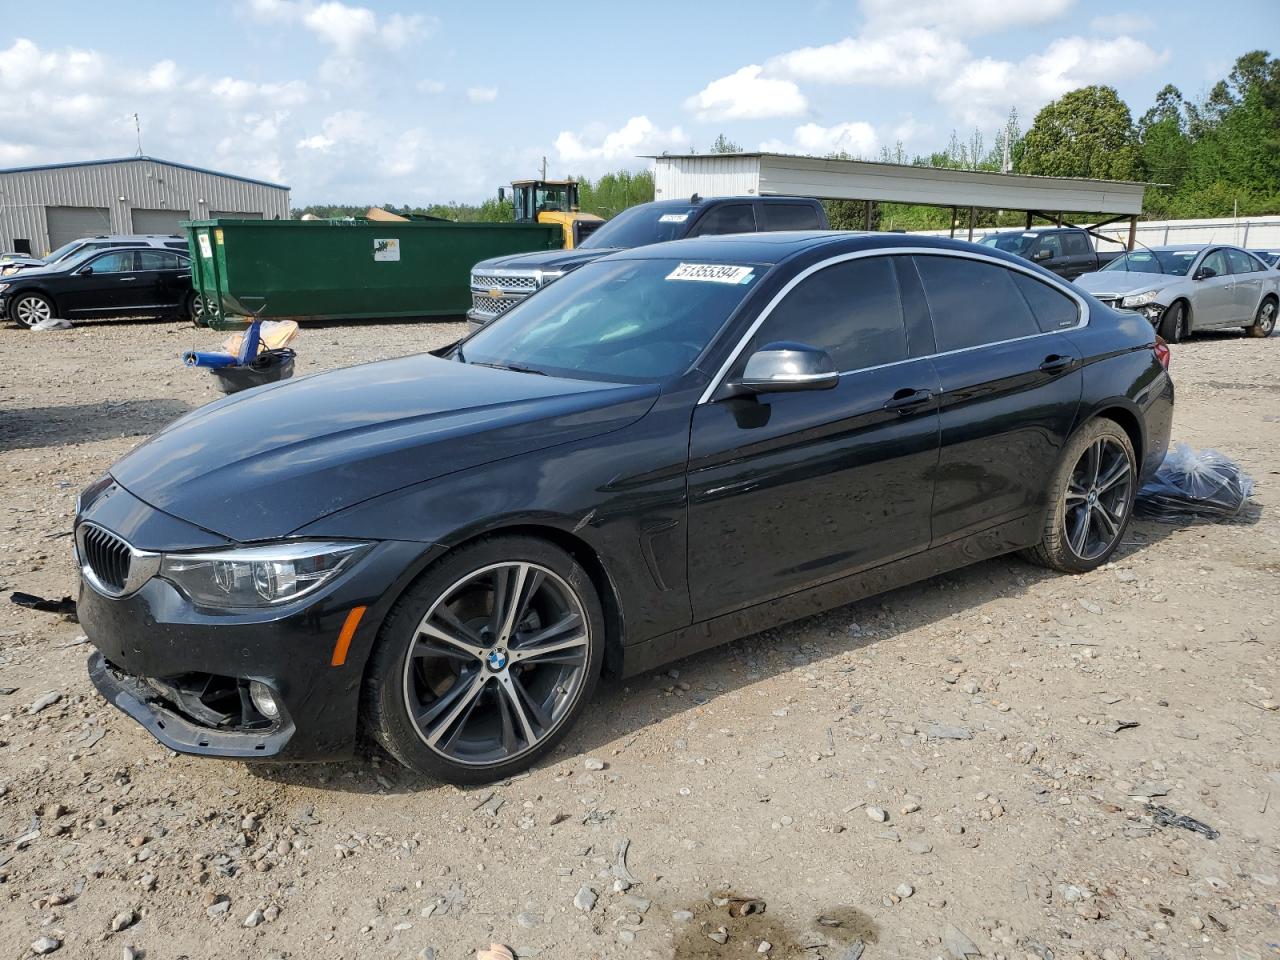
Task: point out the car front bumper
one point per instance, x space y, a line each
178 669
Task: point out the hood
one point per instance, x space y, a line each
261 464
546 259
1122 282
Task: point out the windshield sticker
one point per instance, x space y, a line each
1186 253
673 218
1029 234
711 272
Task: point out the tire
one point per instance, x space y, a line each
447 699
1173 324
30 308
1091 499
194 310
1265 320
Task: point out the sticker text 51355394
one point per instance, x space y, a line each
711 273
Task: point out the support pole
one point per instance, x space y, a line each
1028 219
953 223
972 214
1133 230
866 215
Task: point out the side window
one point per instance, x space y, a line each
1052 308
731 218
1217 262
122 261
973 303
1052 243
1241 262
789 216
852 310
1075 244
157 260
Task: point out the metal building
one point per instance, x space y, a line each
775 174
42 208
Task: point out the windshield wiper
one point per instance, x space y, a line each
515 367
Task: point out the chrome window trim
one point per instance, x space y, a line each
1081 303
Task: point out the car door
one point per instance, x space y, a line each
1213 295
728 218
1010 383
1246 290
1048 253
104 284
164 278
784 215
1079 254
789 490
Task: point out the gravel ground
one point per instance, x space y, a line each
958 767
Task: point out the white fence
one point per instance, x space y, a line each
1254 232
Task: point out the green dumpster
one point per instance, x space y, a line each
346 269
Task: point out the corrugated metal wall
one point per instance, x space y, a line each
1256 232
144 183
709 176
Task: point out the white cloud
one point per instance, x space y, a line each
317 142
430 86
348 29
597 148
482 94
967 17
909 57
1121 23
982 92
747 95
857 139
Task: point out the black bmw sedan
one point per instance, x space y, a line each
669 448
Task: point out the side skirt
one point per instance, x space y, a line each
650 654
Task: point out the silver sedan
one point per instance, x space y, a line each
1192 287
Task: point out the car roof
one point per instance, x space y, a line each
774 247
690 202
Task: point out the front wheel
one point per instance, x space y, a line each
32 308
1173 325
1092 495
1264 321
195 310
486 662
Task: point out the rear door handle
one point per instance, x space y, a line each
907 399
1056 363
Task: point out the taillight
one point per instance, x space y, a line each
1161 349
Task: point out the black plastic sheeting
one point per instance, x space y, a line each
1194 485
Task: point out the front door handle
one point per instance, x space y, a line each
128 279
907 399
1056 363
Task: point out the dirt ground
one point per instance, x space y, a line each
1008 724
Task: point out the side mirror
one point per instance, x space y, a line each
1205 273
85 271
784 368
1044 253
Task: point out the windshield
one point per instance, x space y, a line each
63 250
1176 263
1009 242
641 226
625 321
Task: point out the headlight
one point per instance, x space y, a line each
1138 299
259 576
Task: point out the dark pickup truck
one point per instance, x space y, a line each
500 283
1067 251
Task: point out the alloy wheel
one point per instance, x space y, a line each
497 663
197 309
1098 498
32 310
1267 318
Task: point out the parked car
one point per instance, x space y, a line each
74 248
1190 287
1270 257
671 447
1067 251
499 283
115 282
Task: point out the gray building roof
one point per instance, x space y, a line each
135 159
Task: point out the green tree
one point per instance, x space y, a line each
723 144
1085 133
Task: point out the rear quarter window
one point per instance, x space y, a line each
1052 308
789 216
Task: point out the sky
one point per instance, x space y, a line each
396 101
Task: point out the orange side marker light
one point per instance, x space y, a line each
344 636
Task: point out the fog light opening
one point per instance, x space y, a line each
264 700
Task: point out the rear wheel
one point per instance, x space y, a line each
32 308
1265 320
1092 495
1173 325
195 310
486 662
